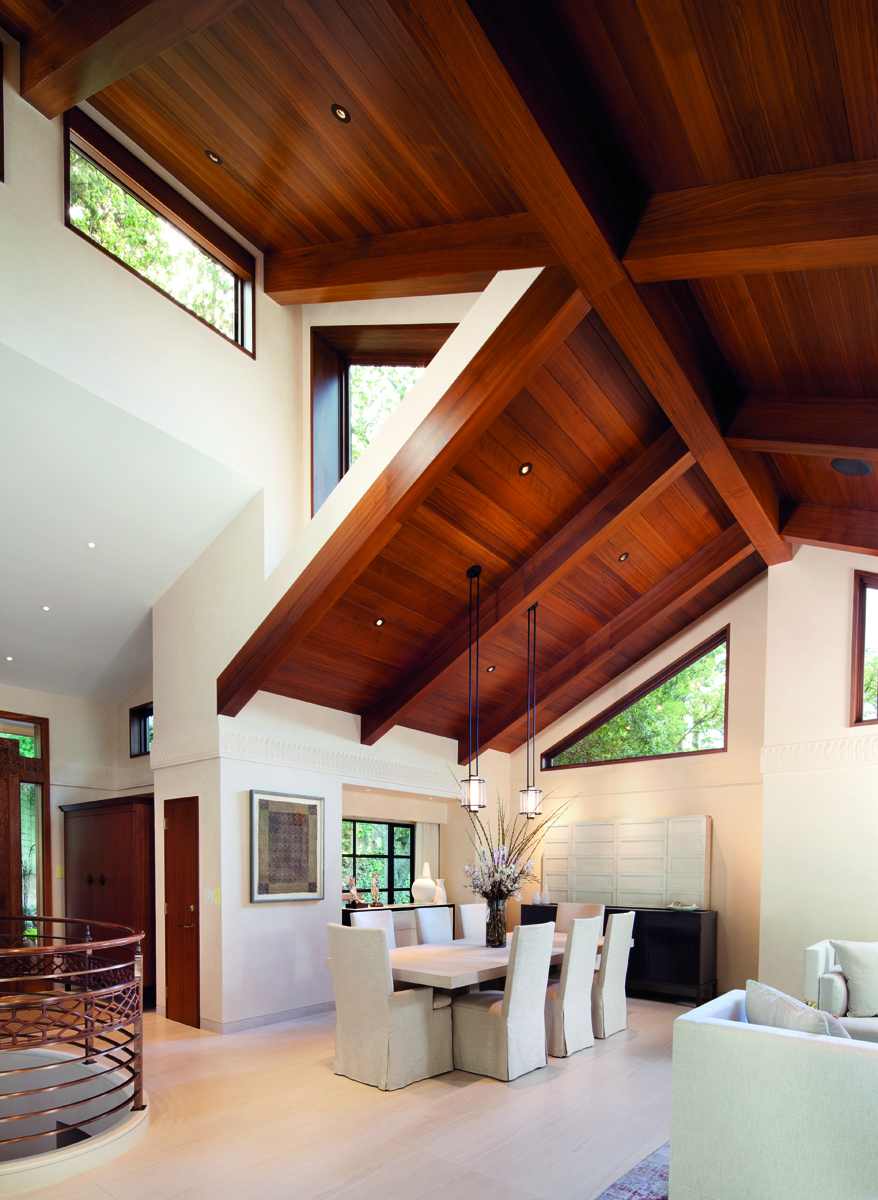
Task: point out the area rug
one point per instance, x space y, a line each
647 1181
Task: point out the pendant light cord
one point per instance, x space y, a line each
473 575
531 751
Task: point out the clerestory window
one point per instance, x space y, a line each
864 672
118 204
682 710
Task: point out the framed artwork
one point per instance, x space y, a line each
286 846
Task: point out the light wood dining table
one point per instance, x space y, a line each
464 963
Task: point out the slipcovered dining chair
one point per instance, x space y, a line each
473 918
434 924
503 1034
609 1010
568 1002
384 1038
376 918
576 912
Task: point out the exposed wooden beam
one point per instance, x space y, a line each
827 427
836 528
677 589
422 262
798 221
89 44
647 477
547 313
450 37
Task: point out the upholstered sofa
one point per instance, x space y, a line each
770 1114
826 986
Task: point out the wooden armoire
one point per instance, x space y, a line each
109 869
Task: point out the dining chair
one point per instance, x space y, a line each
434 924
609 1010
503 1034
576 912
385 1038
376 918
472 919
568 1002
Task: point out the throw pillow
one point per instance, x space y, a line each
836 1028
767 1006
859 961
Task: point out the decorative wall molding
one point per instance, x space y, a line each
104 779
253 747
815 756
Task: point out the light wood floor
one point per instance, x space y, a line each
261 1115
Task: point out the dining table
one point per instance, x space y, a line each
464 963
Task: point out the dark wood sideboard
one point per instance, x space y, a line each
674 953
109 869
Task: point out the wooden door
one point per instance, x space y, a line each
182 957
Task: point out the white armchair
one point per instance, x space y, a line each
826 986
385 1038
743 1121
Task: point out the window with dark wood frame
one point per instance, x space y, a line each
140 728
34 772
361 862
334 350
94 144
864 675
673 669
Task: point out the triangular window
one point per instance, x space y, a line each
682 710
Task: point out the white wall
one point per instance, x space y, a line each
726 786
820 837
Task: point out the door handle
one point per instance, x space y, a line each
185 926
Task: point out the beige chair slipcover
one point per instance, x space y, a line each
576 912
503 1034
377 918
473 918
434 924
385 1038
609 1011
568 1002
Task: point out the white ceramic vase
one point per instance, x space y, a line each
536 898
440 897
424 888
547 899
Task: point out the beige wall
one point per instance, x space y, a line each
726 786
820 839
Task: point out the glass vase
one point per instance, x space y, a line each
495 922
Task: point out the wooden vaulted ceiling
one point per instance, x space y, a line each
700 181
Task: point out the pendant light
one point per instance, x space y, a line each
530 798
473 790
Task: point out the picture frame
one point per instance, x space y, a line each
286 847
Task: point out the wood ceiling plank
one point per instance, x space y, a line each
647 327
544 316
411 261
835 528
855 34
802 220
648 476
394 345
830 427
89 44
731 547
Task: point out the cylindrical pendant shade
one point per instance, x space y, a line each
473 793
530 802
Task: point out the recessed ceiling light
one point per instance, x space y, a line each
623 557
340 113
525 468
45 608
379 621
490 669
214 157
9 658
91 545
851 466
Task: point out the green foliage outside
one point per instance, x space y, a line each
369 850
26 745
374 393
150 245
685 714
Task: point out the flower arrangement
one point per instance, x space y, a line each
503 864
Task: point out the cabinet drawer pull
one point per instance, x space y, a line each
89 879
101 880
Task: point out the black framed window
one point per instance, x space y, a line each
382 846
864 669
140 725
682 710
117 203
